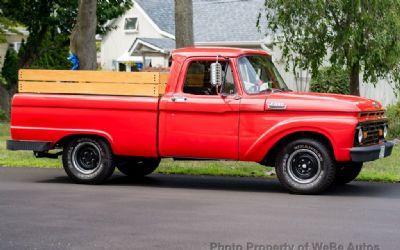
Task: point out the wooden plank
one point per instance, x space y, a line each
161 88
89 76
123 89
164 78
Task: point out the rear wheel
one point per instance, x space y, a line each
347 172
305 166
137 167
88 160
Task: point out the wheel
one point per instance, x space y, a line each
137 167
88 160
305 166
347 172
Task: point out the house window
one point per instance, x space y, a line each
122 67
147 63
131 24
16 46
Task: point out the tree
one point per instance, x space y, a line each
184 23
54 53
331 79
42 17
83 37
360 35
6 26
10 70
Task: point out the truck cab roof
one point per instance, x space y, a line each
214 51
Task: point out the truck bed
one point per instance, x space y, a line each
129 123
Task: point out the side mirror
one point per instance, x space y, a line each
216 74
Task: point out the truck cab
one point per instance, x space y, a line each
218 103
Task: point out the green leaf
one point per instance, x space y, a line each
345 33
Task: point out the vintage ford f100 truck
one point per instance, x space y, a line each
216 103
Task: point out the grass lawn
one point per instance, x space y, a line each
387 169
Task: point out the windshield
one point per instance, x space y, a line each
259 74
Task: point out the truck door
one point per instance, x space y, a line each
197 122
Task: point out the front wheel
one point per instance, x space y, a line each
305 166
347 172
88 160
137 167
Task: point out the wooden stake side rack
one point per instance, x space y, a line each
92 82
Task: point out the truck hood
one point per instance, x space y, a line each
297 101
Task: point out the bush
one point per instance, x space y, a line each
330 80
393 115
4 116
10 68
56 54
3 81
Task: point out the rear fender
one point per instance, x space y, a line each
56 135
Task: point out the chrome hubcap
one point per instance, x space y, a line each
304 166
86 157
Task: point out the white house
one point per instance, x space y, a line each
144 36
14 41
148 30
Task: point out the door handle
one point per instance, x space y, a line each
179 99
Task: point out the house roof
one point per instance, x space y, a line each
165 43
161 44
213 20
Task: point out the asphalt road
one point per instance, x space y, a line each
41 209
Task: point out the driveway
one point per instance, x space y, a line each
42 209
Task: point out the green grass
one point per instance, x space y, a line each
386 170
21 158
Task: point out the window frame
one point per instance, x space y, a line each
240 75
189 61
136 25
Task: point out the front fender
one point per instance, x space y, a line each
339 132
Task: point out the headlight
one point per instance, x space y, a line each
385 131
360 135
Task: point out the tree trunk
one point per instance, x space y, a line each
355 79
184 23
83 36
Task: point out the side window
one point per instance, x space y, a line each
197 80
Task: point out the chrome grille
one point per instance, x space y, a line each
372 114
372 129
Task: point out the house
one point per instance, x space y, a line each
144 37
14 41
145 34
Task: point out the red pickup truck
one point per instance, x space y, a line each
219 103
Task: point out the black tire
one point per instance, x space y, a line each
305 166
88 160
137 167
347 172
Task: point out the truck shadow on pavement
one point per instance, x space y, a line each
241 184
